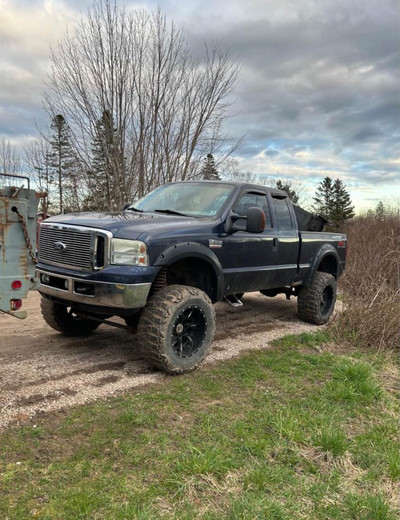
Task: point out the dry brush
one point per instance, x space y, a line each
371 283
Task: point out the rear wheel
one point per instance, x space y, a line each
315 302
176 328
65 320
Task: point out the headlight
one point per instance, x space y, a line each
128 252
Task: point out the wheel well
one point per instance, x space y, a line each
194 272
329 265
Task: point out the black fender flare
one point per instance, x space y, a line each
193 250
325 251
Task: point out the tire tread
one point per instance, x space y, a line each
154 322
54 315
309 298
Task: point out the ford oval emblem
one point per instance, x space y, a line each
59 246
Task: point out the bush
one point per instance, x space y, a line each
370 285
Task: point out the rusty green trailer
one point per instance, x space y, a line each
18 209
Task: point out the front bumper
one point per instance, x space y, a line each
94 293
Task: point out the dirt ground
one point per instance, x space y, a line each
43 371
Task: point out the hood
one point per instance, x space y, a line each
127 224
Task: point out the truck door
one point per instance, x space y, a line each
248 259
287 247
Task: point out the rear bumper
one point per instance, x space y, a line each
94 293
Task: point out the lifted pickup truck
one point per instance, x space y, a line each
163 261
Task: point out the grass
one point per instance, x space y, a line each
293 432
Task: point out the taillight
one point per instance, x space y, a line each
16 284
16 304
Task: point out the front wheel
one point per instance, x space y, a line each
176 328
63 319
316 301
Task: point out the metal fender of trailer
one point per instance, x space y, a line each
18 208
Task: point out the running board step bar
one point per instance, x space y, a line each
233 301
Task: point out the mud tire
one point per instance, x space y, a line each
315 302
63 319
176 328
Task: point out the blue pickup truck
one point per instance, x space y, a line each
164 260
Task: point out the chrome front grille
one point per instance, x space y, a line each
72 247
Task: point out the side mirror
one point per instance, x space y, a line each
255 220
125 206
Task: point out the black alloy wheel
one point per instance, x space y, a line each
326 300
189 331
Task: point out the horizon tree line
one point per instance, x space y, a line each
51 160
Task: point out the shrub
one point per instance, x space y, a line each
370 285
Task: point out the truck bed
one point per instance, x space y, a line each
314 243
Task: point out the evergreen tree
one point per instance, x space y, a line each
106 162
73 188
333 202
342 208
209 171
323 198
380 210
288 188
62 163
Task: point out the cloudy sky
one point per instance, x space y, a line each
318 92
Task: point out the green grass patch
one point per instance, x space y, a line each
293 432
306 339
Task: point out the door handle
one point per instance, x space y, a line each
275 245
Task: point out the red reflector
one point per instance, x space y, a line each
17 284
16 304
342 243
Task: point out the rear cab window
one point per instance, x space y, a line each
282 213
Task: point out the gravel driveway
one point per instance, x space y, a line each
43 371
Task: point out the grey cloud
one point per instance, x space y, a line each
316 76
369 133
287 66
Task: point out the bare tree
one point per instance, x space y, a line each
295 188
36 159
9 158
167 107
231 171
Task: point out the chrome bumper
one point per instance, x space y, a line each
102 294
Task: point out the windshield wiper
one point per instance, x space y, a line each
131 208
170 212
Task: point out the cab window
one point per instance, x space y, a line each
282 214
251 200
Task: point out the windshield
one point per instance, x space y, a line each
192 199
